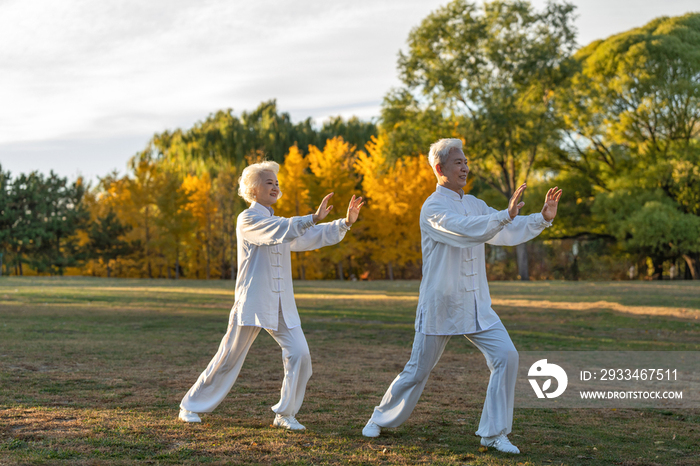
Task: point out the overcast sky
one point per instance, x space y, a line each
84 84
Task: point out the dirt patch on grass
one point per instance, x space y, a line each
598 305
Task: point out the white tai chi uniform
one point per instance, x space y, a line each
454 300
265 299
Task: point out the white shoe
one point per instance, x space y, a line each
500 443
189 416
371 429
287 422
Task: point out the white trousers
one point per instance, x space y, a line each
501 357
218 378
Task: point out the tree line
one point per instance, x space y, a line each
616 124
173 214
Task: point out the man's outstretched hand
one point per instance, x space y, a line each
513 205
551 202
353 210
322 209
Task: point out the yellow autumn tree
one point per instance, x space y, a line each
295 183
395 193
333 171
110 197
142 187
229 204
203 209
174 221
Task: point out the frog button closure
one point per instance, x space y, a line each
276 263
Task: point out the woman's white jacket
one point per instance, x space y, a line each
264 280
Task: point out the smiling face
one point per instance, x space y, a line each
453 173
268 191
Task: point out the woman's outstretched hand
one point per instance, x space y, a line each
353 210
322 209
513 205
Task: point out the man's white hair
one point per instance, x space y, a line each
440 150
251 178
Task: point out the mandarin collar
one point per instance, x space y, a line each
449 193
267 211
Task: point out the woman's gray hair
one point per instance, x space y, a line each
440 150
251 178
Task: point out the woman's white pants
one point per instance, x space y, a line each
501 357
218 378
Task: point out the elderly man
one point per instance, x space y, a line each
264 295
454 295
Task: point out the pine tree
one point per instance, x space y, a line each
105 241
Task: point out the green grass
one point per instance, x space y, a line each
92 372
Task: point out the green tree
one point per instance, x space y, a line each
105 241
226 137
663 232
409 125
7 215
649 223
495 69
273 133
633 125
63 214
46 213
222 136
353 130
24 201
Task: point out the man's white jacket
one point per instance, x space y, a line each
264 280
454 293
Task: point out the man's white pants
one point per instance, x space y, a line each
217 380
501 358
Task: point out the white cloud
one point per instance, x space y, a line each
76 64
84 80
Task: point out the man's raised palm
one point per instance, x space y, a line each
551 202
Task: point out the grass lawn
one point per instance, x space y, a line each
92 372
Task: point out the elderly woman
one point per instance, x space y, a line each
264 295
